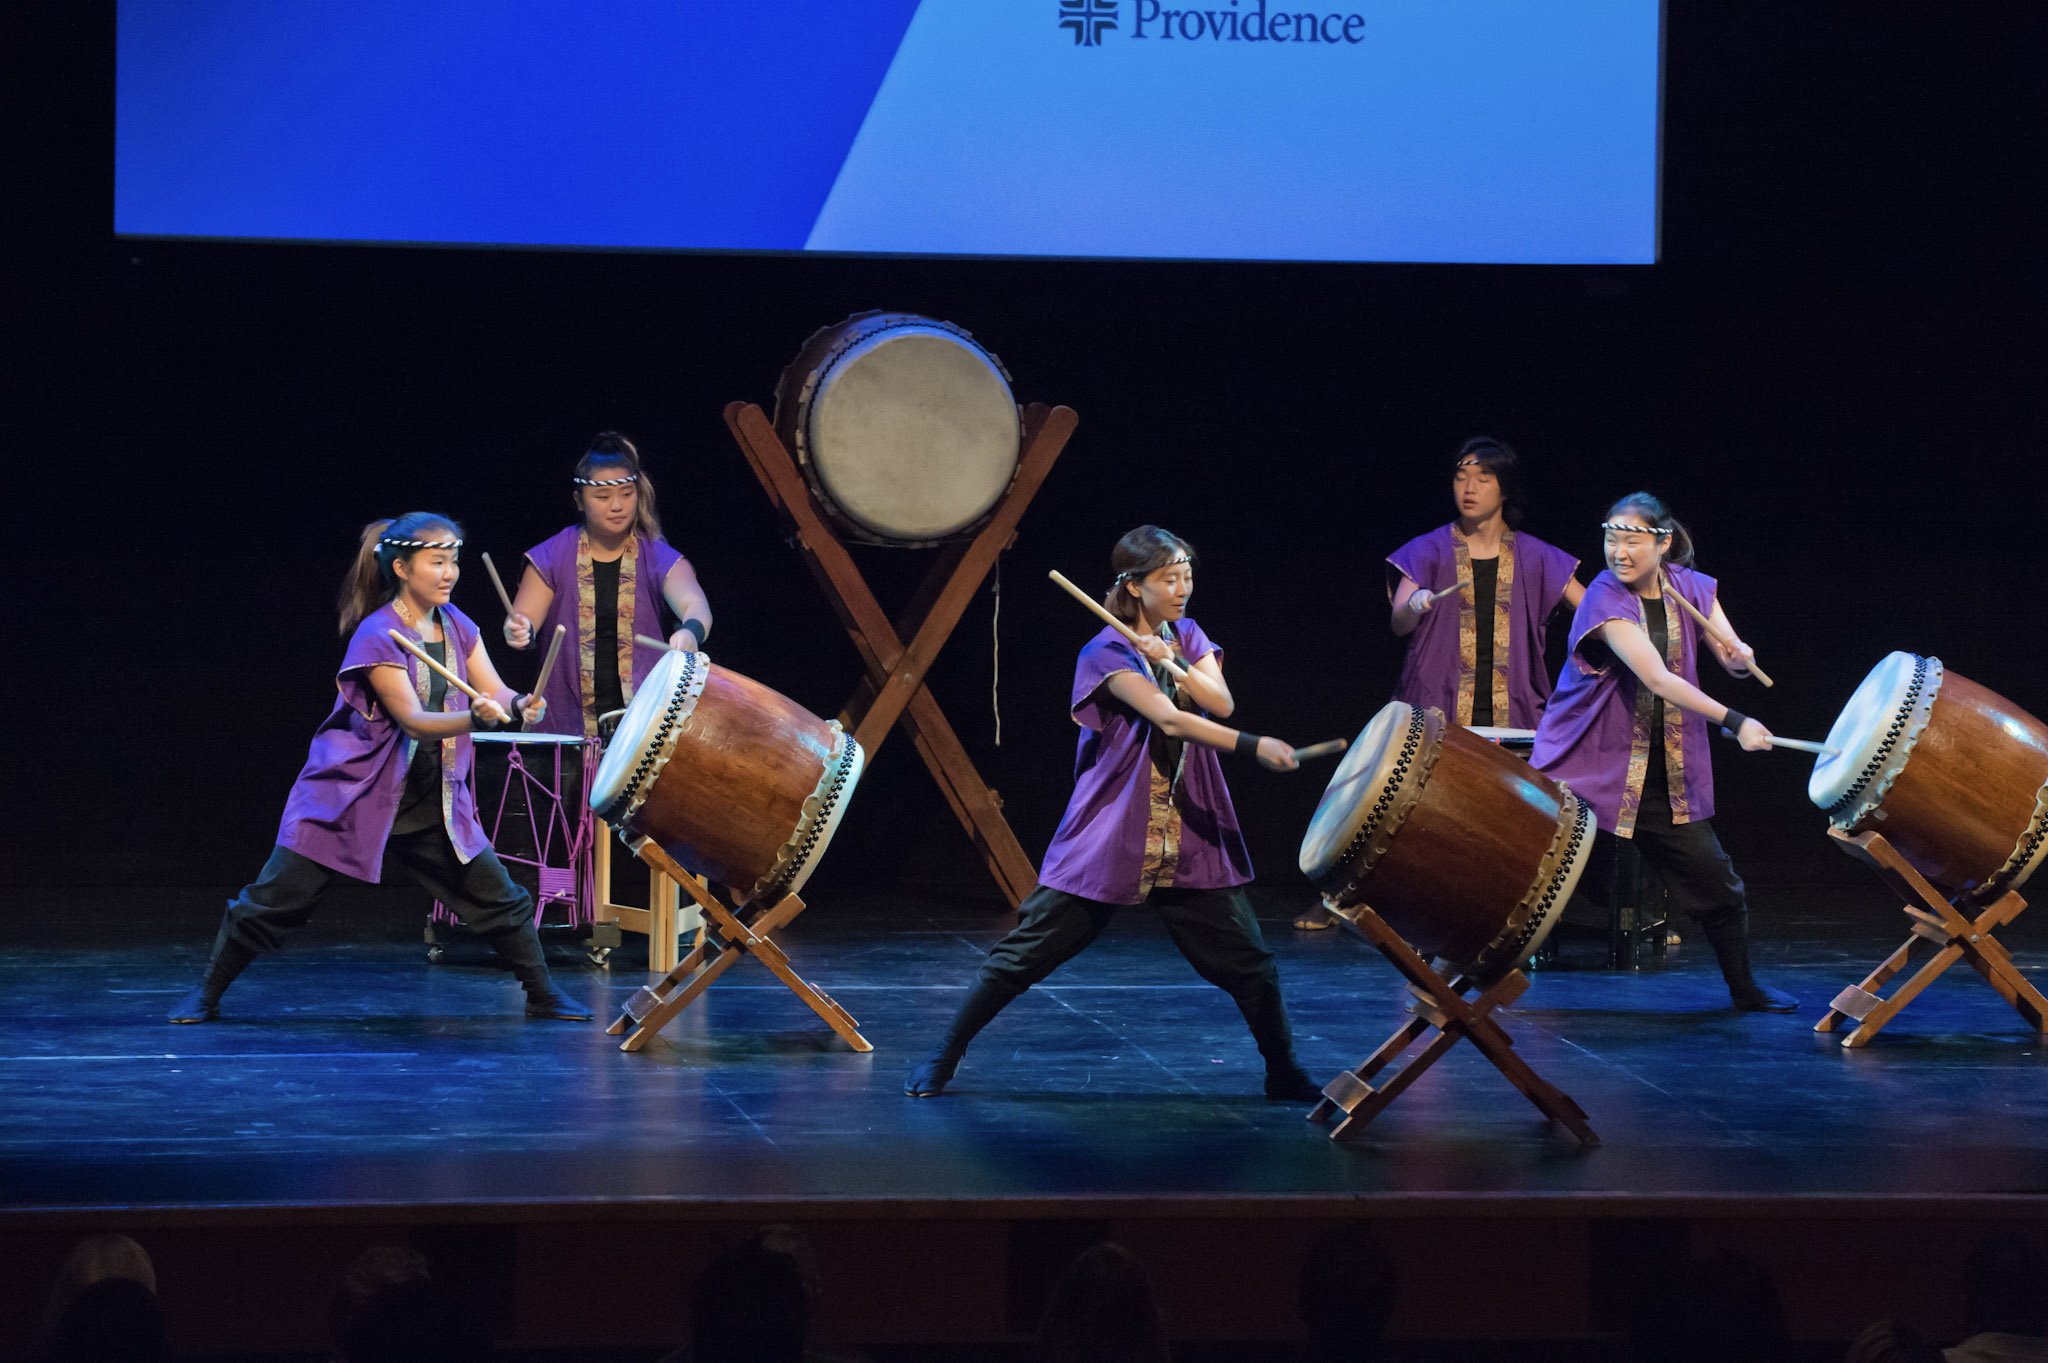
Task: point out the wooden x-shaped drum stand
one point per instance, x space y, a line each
1937 920
1441 1006
727 936
894 687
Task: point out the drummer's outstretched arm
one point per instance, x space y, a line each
1632 645
1142 694
394 688
686 598
483 675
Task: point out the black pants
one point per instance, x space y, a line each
487 900
1685 859
1215 930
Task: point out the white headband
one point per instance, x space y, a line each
1660 531
607 482
419 544
1130 573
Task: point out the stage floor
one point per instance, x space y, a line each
349 1072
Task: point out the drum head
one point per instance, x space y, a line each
1367 767
1867 731
637 728
912 433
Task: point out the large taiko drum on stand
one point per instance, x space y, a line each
903 426
1465 850
1953 775
734 780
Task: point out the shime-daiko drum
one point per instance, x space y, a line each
1953 775
734 780
1464 850
903 426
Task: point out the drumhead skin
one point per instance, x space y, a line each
903 425
1367 766
521 738
1873 734
649 708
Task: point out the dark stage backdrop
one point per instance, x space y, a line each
1835 374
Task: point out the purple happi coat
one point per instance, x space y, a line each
1442 669
341 808
1111 846
563 562
1595 736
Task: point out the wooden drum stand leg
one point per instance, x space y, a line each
1442 1007
894 688
1954 935
660 922
726 938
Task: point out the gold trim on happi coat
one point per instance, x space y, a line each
1673 736
586 624
1468 627
423 686
1162 817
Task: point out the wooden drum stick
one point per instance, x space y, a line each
649 641
547 664
458 683
1714 633
1326 749
1092 604
499 583
1805 745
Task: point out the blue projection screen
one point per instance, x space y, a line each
1350 130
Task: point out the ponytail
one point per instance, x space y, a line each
371 580
608 451
1652 508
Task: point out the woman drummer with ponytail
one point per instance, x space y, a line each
386 787
1627 728
606 579
1150 821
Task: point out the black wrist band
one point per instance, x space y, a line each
515 721
1732 721
1247 744
698 629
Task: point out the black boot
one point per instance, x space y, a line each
987 997
1266 1015
230 958
1727 932
521 949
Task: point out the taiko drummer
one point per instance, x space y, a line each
1150 820
605 580
1474 599
1628 726
386 788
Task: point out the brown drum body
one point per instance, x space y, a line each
1965 806
1465 850
733 779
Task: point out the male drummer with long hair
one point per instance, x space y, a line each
606 579
1627 728
386 786
1150 821
1474 598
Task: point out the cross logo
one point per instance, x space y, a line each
1087 19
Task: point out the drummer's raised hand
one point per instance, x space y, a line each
531 709
1422 600
487 712
1276 755
1154 649
518 631
1735 658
